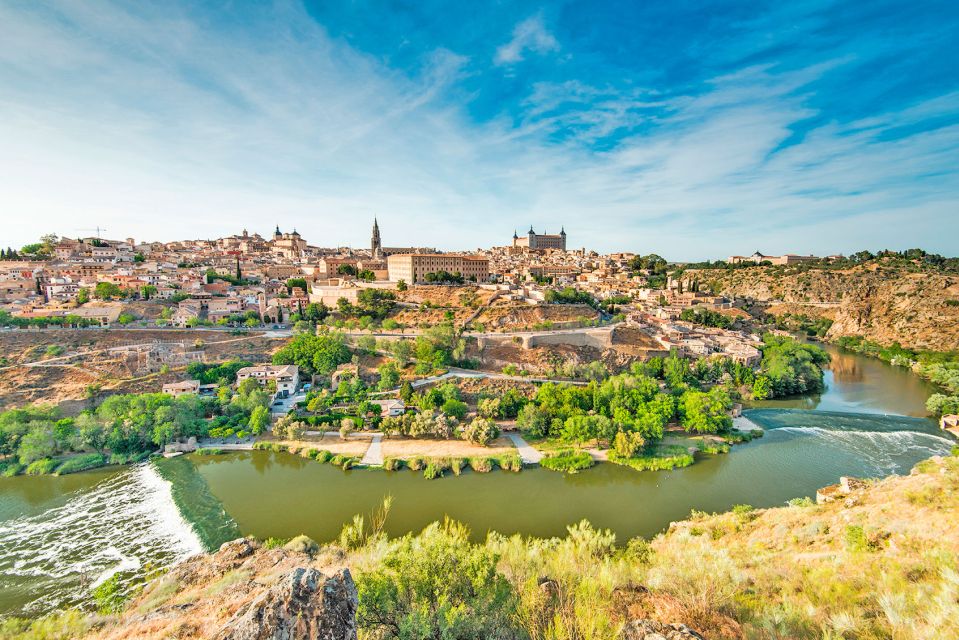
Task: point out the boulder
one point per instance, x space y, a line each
304 604
652 630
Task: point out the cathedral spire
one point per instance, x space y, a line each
376 246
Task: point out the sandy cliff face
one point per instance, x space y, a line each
881 304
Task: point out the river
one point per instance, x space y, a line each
58 534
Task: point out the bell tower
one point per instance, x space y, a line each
376 246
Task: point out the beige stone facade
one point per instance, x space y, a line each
413 267
541 241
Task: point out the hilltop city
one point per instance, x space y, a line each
247 280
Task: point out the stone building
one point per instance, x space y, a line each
541 241
288 245
413 267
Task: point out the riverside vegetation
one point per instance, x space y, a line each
880 564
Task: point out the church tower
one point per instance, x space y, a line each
376 248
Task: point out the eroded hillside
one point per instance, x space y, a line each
918 309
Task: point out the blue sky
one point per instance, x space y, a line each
692 129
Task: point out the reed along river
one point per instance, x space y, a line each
59 537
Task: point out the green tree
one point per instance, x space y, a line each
259 420
83 296
314 353
389 376
107 291
454 408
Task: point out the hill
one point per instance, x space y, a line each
883 301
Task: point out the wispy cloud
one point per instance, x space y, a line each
152 122
530 35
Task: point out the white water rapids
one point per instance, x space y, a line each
127 523
879 449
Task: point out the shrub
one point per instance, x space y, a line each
270 446
856 539
208 451
302 544
457 465
714 448
416 463
323 456
662 458
81 463
433 470
481 465
437 585
338 460
349 463
41 467
567 461
805 501
10 468
392 464
510 462
109 595
274 543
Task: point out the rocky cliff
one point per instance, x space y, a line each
883 304
245 592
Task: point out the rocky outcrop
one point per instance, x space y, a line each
652 630
882 304
304 604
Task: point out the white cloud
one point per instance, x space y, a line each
144 121
529 35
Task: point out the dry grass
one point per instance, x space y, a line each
408 447
355 446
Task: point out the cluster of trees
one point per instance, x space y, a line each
654 266
631 403
125 425
422 424
705 317
315 353
444 277
372 303
802 323
69 320
791 367
569 295
219 374
313 314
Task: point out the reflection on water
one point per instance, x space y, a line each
801 452
857 384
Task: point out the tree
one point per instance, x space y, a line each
314 353
533 420
761 388
83 295
389 376
147 291
259 420
481 431
627 444
706 412
107 291
401 285
38 442
406 391
454 408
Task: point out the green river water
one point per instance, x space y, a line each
58 534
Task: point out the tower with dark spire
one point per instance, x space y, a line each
376 246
